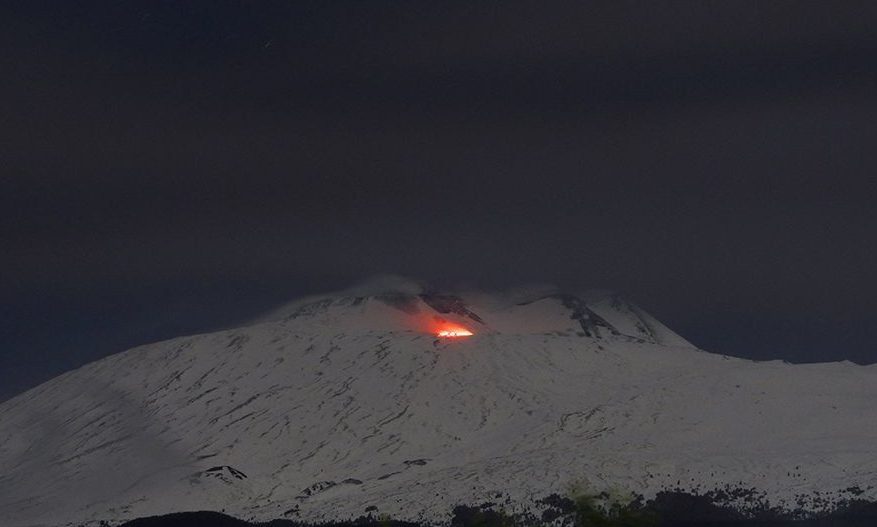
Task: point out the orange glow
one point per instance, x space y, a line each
453 331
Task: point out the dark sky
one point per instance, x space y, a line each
171 167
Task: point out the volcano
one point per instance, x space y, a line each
342 403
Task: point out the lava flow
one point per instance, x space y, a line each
453 331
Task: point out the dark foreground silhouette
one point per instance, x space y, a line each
216 519
668 509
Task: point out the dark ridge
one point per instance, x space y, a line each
581 313
449 304
590 321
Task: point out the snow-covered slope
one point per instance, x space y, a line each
338 403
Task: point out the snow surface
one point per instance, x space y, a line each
337 403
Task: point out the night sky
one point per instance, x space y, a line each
174 167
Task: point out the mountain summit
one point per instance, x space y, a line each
399 305
406 400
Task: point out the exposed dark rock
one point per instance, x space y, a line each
589 321
449 304
316 488
221 471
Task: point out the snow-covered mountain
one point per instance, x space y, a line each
339 403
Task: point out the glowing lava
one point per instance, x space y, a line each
453 332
